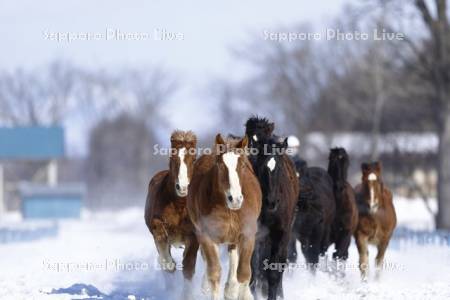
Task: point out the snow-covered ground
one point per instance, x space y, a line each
112 256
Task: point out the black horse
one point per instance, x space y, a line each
279 185
316 210
346 210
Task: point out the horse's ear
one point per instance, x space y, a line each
220 145
219 140
243 143
285 143
378 166
364 166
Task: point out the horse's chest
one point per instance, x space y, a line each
177 224
222 228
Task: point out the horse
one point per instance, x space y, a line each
166 214
316 209
224 202
280 188
346 218
377 218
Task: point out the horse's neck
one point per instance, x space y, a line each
338 174
213 186
339 180
169 186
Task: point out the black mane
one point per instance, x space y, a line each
338 166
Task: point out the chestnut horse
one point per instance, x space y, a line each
346 218
166 215
224 203
377 217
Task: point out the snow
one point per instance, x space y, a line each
112 256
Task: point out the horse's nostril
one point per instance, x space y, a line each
177 186
230 198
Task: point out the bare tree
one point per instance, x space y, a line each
39 97
438 66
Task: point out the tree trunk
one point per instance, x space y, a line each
443 216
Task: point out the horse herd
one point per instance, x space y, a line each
259 203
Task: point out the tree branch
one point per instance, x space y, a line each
426 15
442 11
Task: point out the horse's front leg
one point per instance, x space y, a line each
292 256
189 260
211 255
379 260
342 245
279 257
232 285
165 259
166 262
361 244
244 270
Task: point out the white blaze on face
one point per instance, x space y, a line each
373 202
230 160
271 164
372 177
183 179
255 138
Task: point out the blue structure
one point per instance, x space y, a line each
45 202
31 143
48 200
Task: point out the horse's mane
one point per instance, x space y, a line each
183 136
339 173
254 121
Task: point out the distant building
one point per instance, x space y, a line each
38 198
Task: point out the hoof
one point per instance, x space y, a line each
244 292
206 288
231 290
167 265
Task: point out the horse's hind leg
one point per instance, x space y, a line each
213 269
244 270
189 260
361 244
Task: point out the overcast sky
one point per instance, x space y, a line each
208 29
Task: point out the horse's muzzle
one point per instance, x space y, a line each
181 191
234 203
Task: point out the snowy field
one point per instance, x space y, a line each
112 256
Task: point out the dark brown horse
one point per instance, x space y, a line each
346 218
166 214
316 210
280 189
224 203
377 218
